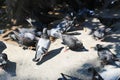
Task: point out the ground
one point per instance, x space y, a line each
21 66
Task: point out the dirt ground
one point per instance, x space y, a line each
21 66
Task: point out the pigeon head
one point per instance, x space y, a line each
98 46
45 34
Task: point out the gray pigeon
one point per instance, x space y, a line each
3 60
25 39
3 56
42 46
99 33
2 46
106 56
72 42
102 33
62 27
65 25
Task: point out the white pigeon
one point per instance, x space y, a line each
42 46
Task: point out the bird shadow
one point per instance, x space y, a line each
50 55
11 68
84 71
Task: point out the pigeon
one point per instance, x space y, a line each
42 46
2 46
3 56
105 55
102 33
72 42
99 33
66 24
3 60
25 39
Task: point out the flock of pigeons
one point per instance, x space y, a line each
40 35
